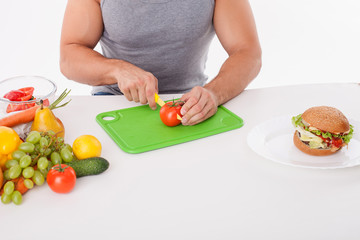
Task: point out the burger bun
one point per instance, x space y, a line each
327 119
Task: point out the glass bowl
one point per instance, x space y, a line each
43 89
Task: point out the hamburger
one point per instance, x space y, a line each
321 131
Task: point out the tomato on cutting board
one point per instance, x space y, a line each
169 112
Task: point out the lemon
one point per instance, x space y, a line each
86 146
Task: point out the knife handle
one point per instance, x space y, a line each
158 100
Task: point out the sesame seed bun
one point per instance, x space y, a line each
327 119
311 151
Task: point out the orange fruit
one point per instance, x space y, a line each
9 140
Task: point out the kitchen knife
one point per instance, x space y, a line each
161 103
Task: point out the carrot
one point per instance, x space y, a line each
28 115
20 186
19 117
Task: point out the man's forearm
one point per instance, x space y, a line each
87 66
235 74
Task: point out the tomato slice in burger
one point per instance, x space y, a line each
337 142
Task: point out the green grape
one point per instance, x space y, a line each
47 152
67 146
37 148
9 187
38 178
44 172
50 166
6 175
51 133
33 156
16 197
5 198
60 140
25 161
28 172
47 137
42 163
33 137
10 163
28 183
43 142
14 171
66 155
18 154
55 158
26 147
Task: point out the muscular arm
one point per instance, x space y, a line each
235 27
81 31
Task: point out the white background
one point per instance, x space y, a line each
308 41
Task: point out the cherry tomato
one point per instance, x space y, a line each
168 113
61 179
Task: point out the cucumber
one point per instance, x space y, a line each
89 166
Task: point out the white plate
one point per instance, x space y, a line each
273 139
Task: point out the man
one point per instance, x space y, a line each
152 46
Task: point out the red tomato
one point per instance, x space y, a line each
337 142
19 107
61 179
27 90
22 94
14 95
168 113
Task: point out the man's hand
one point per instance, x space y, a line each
136 84
200 104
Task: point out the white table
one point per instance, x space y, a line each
211 188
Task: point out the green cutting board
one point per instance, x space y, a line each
139 129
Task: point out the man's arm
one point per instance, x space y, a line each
235 27
81 31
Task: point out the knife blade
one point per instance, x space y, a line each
161 103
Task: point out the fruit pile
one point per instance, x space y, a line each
31 162
43 155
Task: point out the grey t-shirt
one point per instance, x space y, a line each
169 38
